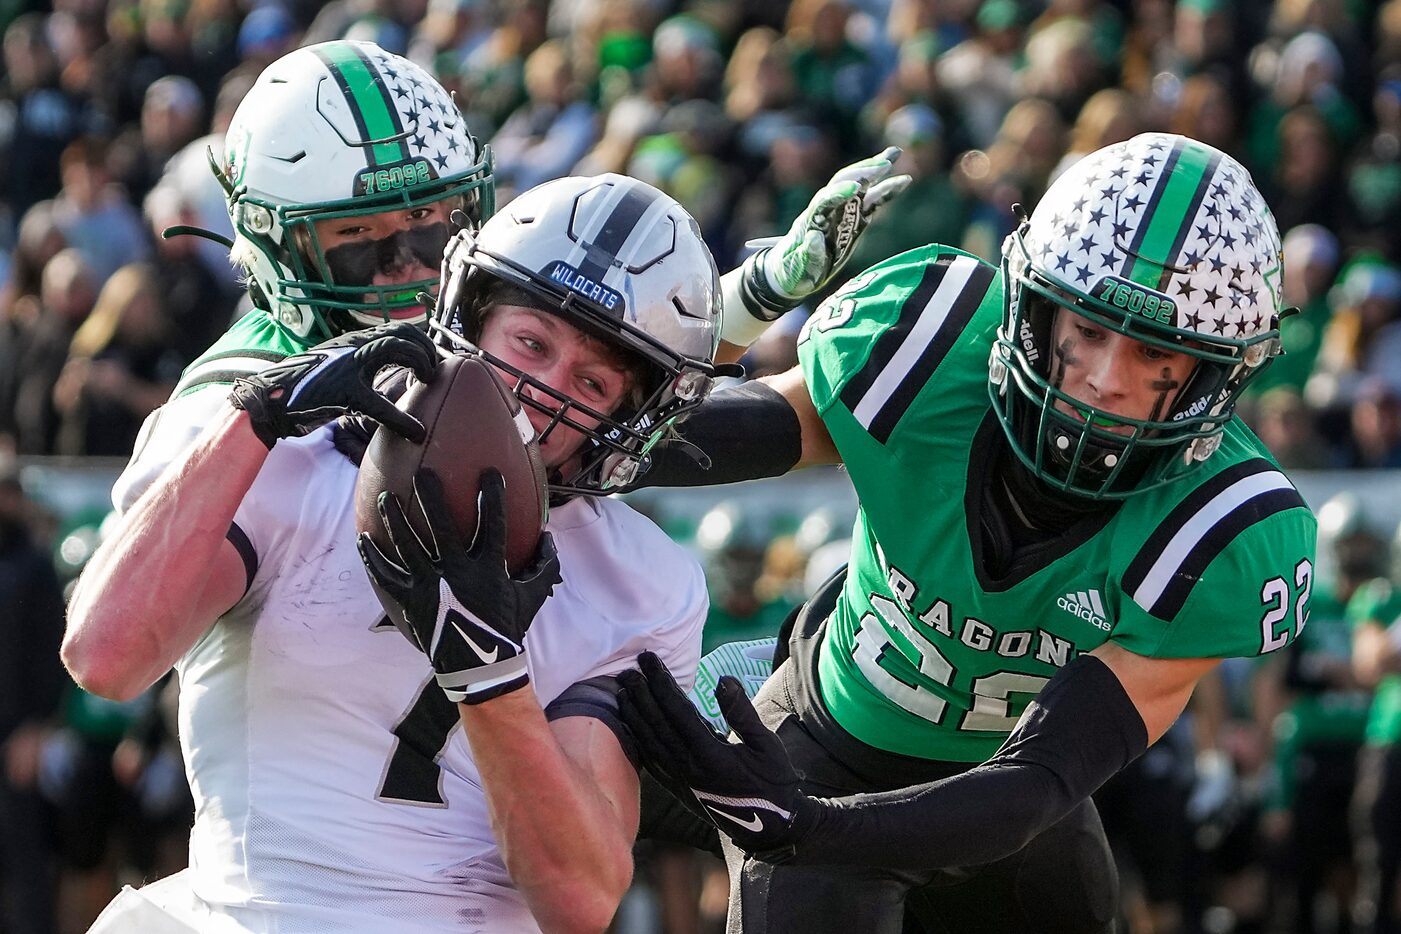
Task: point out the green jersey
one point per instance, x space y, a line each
930 652
1378 602
254 342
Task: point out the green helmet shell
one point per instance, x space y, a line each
1166 240
341 129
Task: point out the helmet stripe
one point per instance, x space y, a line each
367 93
608 240
1169 214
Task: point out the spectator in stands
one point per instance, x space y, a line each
194 186
550 132
94 214
1360 339
38 118
1309 70
686 62
172 116
1375 440
1322 722
687 161
490 81
39 240
67 295
834 75
266 34
31 680
979 75
1311 254
761 95
914 80
1307 183
932 209
1109 116
1014 170
1376 659
1063 65
1373 175
1205 108
1287 426
199 305
120 367
630 120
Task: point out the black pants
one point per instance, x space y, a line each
1377 817
1063 881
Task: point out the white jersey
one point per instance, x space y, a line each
333 785
166 435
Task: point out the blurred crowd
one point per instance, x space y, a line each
109 110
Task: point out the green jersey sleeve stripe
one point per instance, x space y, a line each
1259 506
907 354
226 367
1181 514
1162 574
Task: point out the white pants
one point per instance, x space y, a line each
168 906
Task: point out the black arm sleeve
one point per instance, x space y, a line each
745 432
1080 730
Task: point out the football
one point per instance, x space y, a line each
472 422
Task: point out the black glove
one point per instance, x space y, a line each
467 613
293 397
748 788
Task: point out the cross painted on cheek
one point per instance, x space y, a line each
1065 356
1162 386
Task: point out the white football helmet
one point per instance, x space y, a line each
1166 240
620 260
337 130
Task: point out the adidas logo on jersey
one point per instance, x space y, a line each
1087 606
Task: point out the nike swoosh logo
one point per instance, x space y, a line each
753 826
481 653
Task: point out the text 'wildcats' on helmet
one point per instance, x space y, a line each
621 261
331 134
1166 240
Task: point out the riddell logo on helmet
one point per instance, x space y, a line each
1193 410
376 181
1028 339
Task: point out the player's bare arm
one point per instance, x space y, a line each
563 800
171 569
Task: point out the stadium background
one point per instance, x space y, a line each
741 109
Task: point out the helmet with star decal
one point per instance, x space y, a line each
332 135
1160 238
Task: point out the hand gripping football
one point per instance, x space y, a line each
472 421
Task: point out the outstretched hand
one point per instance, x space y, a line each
824 236
748 788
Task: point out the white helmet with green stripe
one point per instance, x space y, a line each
341 130
1166 240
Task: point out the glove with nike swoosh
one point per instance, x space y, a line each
747 787
467 613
